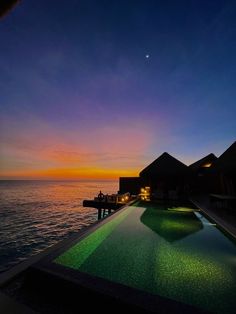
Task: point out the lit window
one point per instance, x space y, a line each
207 165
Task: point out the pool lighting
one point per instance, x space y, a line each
181 209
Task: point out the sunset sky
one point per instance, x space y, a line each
99 89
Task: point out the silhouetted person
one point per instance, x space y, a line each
100 196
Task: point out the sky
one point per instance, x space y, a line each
99 89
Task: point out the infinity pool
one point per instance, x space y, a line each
174 252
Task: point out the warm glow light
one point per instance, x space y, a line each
207 165
145 193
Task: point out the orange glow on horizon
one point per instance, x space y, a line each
67 174
36 150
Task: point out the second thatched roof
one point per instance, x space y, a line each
203 162
227 161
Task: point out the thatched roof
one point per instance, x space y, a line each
227 161
165 165
209 159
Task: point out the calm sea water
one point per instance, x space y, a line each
37 214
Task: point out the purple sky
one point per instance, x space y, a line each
79 98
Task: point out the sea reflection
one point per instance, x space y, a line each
37 214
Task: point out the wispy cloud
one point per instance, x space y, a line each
37 146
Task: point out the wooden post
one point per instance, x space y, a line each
99 213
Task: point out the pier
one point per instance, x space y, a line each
106 203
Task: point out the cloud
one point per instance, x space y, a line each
31 146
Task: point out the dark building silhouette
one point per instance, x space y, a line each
201 175
129 184
167 177
203 164
165 174
224 172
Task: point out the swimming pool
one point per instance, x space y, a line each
174 252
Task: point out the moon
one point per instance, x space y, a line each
147 56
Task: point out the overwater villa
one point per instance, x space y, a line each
166 176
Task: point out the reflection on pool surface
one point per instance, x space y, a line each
175 253
172 224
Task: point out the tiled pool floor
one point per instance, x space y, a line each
175 253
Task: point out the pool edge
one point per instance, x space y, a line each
219 222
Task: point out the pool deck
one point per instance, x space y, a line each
223 218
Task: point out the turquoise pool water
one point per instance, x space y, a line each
172 252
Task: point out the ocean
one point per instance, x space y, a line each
37 214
